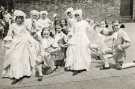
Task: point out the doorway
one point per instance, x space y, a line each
126 8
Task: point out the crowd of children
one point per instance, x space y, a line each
39 46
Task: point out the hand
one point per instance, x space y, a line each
69 36
107 50
50 51
94 46
66 45
7 41
120 48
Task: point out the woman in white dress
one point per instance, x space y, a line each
20 56
78 51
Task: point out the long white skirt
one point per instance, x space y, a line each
78 53
20 58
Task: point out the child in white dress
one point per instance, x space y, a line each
78 53
46 53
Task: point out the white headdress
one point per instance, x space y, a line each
79 12
43 12
69 10
34 12
19 13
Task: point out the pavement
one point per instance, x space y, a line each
93 79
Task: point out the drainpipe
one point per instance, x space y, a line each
133 15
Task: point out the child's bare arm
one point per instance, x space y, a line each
126 41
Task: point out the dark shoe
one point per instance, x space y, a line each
77 72
49 71
27 76
15 81
40 78
44 70
118 67
53 70
66 69
101 68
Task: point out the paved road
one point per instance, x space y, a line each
94 79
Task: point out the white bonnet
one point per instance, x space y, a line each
34 12
79 12
69 10
19 13
43 12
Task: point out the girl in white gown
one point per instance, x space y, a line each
20 56
78 51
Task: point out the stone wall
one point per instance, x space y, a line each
97 9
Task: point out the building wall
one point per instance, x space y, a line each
134 10
97 9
